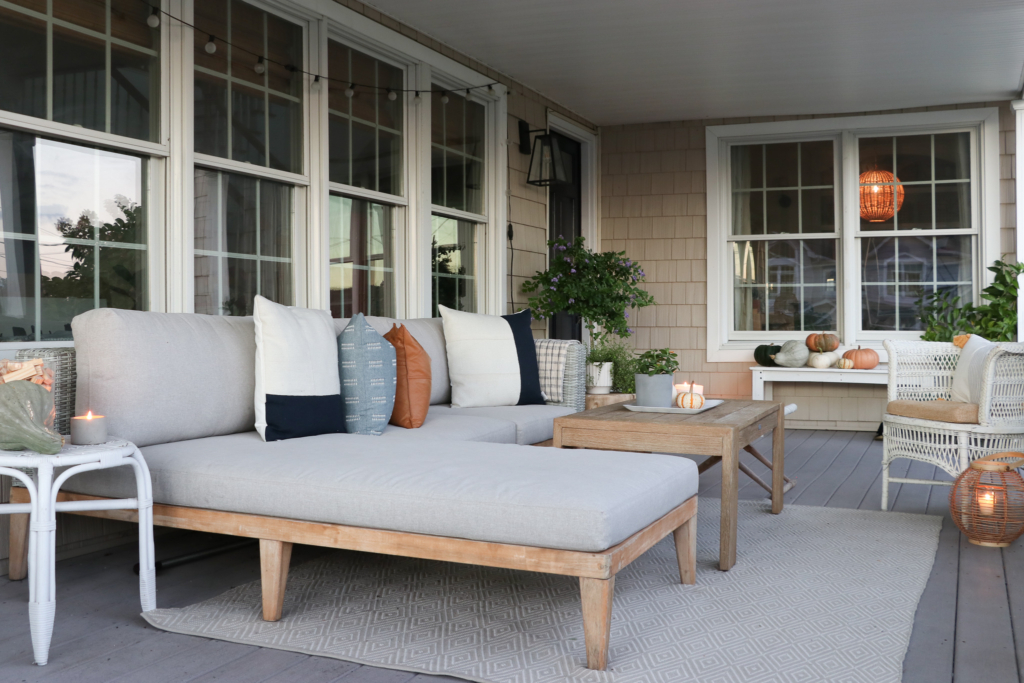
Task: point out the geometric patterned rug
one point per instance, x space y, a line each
817 594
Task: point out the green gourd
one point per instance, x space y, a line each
763 354
26 410
794 354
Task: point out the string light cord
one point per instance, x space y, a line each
317 78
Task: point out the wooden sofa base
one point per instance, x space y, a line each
596 571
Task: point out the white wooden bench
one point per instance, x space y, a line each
763 377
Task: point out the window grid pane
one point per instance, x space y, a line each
361 258
242 242
453 264
365 129
246 110
457 150
104 67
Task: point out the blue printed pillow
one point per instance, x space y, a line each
368 372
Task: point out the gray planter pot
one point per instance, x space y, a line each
655 391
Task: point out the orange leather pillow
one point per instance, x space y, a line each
412 391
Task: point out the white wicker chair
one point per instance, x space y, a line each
923 371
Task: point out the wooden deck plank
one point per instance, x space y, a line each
315 670
821 489
984 635
1013 563
256 666
185 666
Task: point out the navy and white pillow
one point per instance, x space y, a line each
368 372
484 359
526 350
298 392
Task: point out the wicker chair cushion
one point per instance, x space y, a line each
938 411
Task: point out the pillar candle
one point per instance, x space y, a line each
88 430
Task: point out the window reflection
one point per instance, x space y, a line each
73 219
457 150
361 257
453 264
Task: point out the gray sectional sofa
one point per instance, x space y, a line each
464 487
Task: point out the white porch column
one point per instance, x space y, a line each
1018 175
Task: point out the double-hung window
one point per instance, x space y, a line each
457 193
846 225
80 95
248 108
365 111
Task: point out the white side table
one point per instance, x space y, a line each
43 509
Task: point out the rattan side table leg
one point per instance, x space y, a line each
147 552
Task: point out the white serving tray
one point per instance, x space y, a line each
708 405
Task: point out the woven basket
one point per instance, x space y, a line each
62 360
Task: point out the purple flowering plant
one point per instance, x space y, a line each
599 287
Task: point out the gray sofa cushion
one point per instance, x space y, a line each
534 423
161 377
442 424
570 499
430 335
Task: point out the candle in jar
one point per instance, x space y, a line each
88 429
987 503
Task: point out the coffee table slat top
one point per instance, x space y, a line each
729 416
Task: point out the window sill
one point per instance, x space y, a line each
743 351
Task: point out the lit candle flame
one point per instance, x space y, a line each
987 503
88 416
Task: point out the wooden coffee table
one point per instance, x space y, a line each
721 431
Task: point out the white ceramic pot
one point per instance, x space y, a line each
599 378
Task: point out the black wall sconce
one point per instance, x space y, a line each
546 164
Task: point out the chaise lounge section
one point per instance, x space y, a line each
462 488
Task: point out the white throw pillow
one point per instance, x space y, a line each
967 377
296 355
482 360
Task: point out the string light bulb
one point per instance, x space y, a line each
417 95
153 20
315 85
210 46
392 95
259 67
444 98
350 91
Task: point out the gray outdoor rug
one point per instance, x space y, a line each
817 594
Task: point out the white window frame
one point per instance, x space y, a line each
983 123
157 157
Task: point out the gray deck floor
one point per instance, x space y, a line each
964 630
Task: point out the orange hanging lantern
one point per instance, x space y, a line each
987 501
876 196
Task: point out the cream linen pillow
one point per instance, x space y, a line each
482 359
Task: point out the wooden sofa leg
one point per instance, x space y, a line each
18 563
597 619
274 559
686 550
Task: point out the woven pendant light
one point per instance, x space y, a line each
876 196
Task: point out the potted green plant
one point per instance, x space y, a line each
600 287
655 371
610 367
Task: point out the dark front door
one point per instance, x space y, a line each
564 220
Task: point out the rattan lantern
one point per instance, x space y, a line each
876 196
987 500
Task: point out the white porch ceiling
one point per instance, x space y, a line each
631 61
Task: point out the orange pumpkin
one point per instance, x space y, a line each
822 342
863 359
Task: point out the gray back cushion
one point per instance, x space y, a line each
430 335
161 377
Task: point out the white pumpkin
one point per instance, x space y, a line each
822 360
690 400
